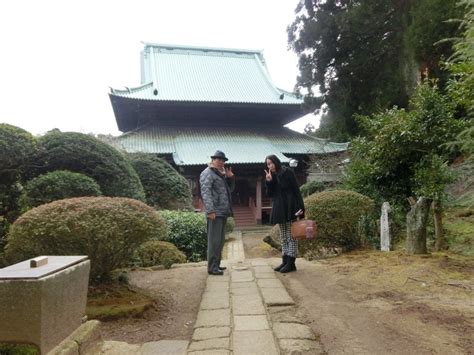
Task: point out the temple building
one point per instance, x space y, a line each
193 101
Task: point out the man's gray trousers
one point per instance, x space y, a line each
215 242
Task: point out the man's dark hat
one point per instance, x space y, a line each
219 155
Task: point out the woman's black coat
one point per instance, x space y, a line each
285 194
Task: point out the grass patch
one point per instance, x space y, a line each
18 349
116 300
459 227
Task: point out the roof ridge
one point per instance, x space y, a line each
202 48
130 89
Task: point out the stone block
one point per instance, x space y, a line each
275 296
254 342
259 322
211 332
209 344
45 304
245 305
215 300
213 318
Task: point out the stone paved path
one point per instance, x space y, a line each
248 311
245 311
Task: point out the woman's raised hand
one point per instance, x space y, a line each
228 172
268 175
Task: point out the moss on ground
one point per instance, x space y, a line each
113 301
18 349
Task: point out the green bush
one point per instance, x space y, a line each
106 229
230 225
311 187
337 214
18 349
156 252
17 148
58 185
164 187
87 155
188 231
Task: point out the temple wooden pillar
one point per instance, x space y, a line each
258 193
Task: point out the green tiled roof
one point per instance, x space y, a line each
197 74
194 145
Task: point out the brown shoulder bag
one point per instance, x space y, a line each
303 229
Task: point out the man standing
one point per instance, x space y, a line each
217 184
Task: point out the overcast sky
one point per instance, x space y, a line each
59 57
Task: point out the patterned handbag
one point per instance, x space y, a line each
303 229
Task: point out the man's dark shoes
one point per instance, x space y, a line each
222 268
217 272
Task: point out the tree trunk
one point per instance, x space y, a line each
417 219
441 243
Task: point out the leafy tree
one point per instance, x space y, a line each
87 155
359 57
461 84
164 187
403 152
430 24
396 141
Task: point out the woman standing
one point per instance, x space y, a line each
287 204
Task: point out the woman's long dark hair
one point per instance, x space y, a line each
275 161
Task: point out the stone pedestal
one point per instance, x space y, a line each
45 304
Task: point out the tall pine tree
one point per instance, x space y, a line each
359 57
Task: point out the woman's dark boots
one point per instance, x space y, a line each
283 263
290 265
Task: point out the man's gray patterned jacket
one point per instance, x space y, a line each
216 192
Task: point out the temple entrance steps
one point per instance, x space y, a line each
243 217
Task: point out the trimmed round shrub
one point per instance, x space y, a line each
106 229
164 187
188 231
17 147
58 185
87 155
311 187
156 252
337 214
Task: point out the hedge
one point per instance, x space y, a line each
106 229
188 231
164 187
311 187
338 214
156 252
17 148
87 155
58 185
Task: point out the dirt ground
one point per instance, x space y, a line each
365 302
178 294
